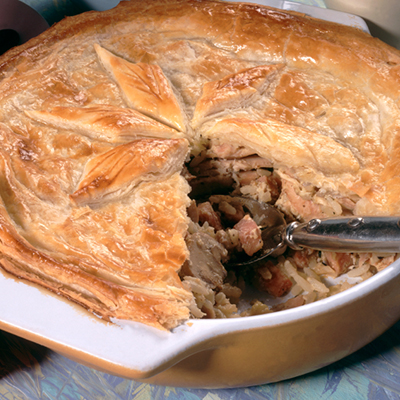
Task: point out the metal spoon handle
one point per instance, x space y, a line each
353 234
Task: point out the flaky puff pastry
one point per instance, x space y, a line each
104 122
115 174
145 88
98 113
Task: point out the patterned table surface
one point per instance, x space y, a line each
30 371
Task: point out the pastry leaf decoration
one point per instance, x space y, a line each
145 88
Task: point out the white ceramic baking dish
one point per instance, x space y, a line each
208 353
315 12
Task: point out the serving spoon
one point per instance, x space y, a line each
339 234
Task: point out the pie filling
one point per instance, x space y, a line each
222 232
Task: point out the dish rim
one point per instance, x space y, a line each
326 14
83 333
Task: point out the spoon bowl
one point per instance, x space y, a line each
341 234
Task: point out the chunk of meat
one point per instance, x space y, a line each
291 303
193 212
211 166
249 235
292 203
302 258
257 184
207 214
273 183
249 163
226 150
339 262
246 177
384 262
205 259
277 285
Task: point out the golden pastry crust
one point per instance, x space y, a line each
145 88
104 122
115 174
285 145
97 113
234 91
